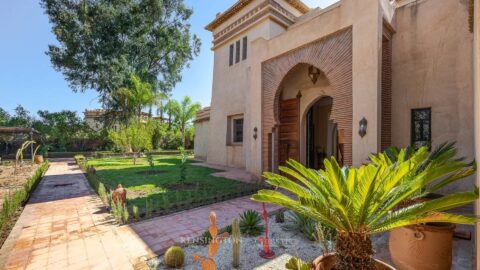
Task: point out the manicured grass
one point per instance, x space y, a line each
164 192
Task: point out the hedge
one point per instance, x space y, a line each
13 202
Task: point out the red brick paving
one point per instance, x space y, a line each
161 232
66 226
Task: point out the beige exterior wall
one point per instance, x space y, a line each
432 67
366 19
237 89
229 95
432 55
201 139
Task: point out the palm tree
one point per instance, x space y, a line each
358 202
171 109
442 154
160 103
132 99
185 113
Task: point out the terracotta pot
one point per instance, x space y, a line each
38 159
119 195
326 262
422 247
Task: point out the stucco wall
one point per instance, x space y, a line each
432 67
229 91
476 58
365 17
202 131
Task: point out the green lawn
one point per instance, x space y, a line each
164 191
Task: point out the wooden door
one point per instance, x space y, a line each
289 131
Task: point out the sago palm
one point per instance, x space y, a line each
358 202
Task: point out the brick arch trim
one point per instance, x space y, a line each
333 56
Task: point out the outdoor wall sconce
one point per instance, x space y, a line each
255 131
313 73
362 130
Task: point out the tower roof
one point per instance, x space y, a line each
240 4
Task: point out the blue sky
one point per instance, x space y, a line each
27 77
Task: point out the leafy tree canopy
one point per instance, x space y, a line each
135 137
4 117
21 118
60 125
102 42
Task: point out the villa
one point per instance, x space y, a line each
345 81
95 118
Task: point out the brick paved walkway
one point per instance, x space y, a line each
162 232
66 226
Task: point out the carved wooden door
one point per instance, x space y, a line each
289 130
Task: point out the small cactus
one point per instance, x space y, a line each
209 263
174 257
125 214
236 243
136 213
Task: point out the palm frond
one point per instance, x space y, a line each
431 218
366 199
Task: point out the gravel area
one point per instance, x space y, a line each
287 244
284 243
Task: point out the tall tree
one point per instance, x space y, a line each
21 118
60 127
171 109
4 117
102 42
160 103
185 114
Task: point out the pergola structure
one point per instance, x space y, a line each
10 133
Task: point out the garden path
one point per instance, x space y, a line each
66 226
181 228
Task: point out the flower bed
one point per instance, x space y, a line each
156 194
13 202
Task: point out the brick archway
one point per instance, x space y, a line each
332 55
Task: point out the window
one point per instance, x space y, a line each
244 48
237 51
238 130
231 55
421 127
235 129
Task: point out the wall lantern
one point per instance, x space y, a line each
313 73
255 131
362 130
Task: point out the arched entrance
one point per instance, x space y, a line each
321 140
285 98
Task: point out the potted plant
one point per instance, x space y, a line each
359 202
431 238
37 159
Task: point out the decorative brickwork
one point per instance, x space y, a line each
386 127
331 54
